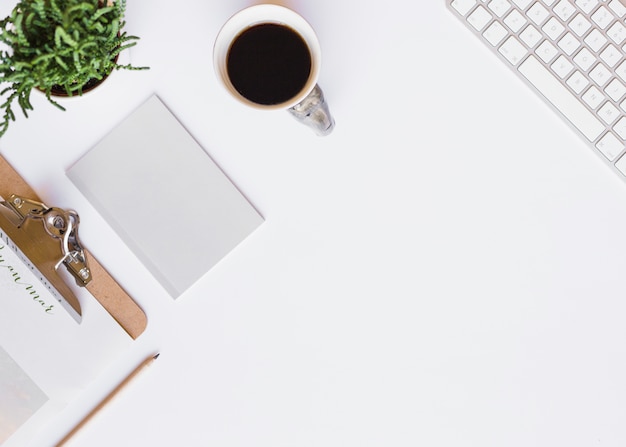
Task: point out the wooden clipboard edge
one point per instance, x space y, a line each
103 287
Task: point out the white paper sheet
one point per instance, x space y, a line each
46 357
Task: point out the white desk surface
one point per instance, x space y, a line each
445 269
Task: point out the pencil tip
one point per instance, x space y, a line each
156 356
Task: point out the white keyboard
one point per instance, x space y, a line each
572 52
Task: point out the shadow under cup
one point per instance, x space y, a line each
268 57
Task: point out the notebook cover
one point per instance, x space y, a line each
164 196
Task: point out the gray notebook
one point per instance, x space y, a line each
164 196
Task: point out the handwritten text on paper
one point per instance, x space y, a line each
29 290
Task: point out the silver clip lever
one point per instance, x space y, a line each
62 225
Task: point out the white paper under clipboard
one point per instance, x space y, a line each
48 357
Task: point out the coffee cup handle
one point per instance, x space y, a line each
313 111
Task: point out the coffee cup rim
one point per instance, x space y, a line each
256 15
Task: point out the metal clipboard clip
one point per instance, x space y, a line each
46 238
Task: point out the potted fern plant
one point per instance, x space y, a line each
60 47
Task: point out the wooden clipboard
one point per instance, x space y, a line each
103 287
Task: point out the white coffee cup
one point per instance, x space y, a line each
308 103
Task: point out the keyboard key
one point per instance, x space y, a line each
610 146
463 6
593 97
578 82
600 74
479 18
595 40
553 28
515 20
562 67
615 90
546 51
611 55
522 4
499 7
531 36
617 7
617 33
579 25
569 43
585 59
621 71
602 17
587 5
495 33
552 89
621 165
565 10
608 113
513 50
538 13
620 128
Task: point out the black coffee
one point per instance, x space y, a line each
269 63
